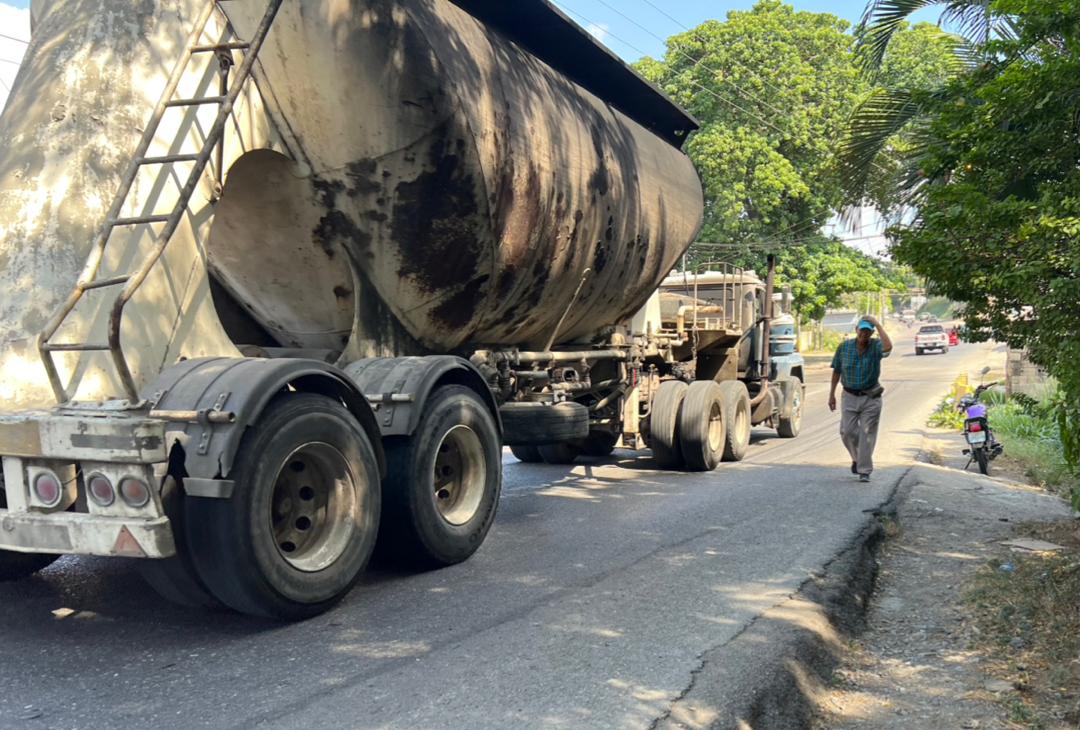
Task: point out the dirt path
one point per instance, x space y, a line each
917 666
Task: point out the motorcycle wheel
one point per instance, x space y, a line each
983 459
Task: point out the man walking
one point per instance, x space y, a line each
857 364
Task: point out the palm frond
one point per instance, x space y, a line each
884 113
971 19
880 22
883 18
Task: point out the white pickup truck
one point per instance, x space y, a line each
931 337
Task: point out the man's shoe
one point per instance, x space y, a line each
854 468
864 477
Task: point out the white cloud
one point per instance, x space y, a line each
14 22
599 31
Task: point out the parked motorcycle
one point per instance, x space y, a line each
983 447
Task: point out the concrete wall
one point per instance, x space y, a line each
1021 376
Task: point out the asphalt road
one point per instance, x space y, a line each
590 604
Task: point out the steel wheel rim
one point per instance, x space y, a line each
742 422
459 475
716 426
796 408
313 507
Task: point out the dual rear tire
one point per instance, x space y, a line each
301 523
308 505
696 426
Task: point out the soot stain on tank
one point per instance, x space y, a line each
506 282
364 178
335 228
434 223
600 181
459 310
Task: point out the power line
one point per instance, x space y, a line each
697 62
687 28
13 38
8 60
734 61
704 88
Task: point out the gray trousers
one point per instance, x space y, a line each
859 418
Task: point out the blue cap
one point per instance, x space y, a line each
864 325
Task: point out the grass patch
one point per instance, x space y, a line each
1026 609
1033 440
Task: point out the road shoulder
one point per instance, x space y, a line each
919 663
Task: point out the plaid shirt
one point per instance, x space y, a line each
859 372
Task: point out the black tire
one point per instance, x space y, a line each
530 424
431 523
790 422
664 424
702 429
737 420
918 352
983 460
258 552
526 454
175 579
16 566
599 444
562 453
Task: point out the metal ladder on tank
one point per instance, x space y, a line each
88 279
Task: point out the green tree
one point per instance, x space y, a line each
774 88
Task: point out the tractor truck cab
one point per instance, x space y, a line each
737 331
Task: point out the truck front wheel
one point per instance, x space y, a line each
443 482
301 523
790 422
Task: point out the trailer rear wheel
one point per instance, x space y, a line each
599 443
702 429
561 453
175 579
664 424
527 454
301 523
790 422
14 566
737 420
443 482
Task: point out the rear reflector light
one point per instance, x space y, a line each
134 492
975 427
47 489
101 490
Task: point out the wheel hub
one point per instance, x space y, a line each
459 475
313 507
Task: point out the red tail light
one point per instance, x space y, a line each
975 427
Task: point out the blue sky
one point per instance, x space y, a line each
631 41
633 28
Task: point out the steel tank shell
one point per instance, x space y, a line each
399 178
469 184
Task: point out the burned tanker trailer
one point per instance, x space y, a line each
282 277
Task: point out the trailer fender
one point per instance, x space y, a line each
400 386
241 387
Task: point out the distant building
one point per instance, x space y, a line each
843 321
